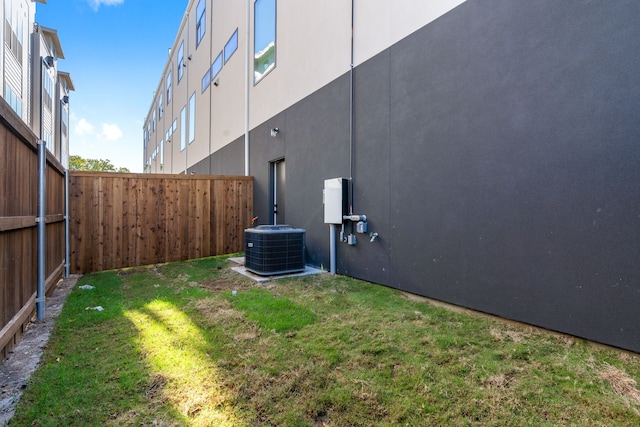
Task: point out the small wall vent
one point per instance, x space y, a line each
274 249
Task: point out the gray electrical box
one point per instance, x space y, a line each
336 200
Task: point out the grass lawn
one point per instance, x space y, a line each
173 346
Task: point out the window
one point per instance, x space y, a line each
231 46
153 121
13 99
160 106
13 31
168 87
48 139
181 63
201 21
192 118
206 79
264 42
47 94
216 66
65 119
170 131
183 128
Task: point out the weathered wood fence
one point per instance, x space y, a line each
116 221
125 220
18 227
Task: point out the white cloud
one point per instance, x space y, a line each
95 4
110 132
83 128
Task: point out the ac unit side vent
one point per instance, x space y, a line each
274 249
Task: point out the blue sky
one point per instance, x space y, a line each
115 51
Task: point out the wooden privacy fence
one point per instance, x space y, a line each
18 227
125 220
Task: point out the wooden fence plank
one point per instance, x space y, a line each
18 231
136 219
8 223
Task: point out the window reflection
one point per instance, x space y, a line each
264 38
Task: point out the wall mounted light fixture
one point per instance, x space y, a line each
274 132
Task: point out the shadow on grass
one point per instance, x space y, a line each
139 361
174 347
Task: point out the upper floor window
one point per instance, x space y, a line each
231 46
14 31
183 128
48 139
181 63
206 79
201 21
160 106
216 66
13 99
264 27
64 112
47 95
169 87
192 118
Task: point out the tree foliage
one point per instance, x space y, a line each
96 165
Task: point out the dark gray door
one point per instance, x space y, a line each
278 172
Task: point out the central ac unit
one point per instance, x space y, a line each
274 249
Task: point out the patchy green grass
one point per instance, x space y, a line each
277 314
173 346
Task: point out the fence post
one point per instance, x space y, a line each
41 219
67 260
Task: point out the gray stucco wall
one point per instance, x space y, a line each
514 145
227 161
496 153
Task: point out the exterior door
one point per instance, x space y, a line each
278 174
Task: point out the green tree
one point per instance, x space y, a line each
77 163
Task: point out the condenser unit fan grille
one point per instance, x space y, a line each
274 249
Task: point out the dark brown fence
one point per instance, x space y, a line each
18 231
125 220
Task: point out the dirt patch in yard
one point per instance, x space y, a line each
228 280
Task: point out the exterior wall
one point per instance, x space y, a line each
318 54
225 112
2 37
14 64
43 114
21 69
521 123
495 153
63 87
382 23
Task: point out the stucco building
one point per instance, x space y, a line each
493 146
